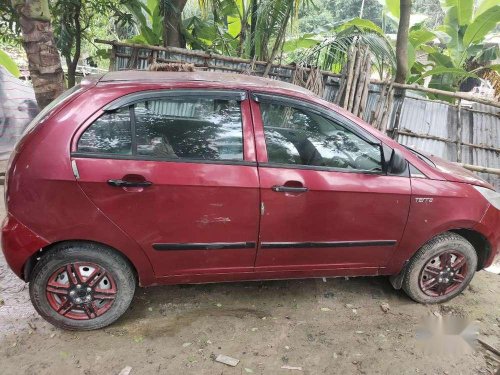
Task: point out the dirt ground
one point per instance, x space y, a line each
332 327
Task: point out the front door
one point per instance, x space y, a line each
326 203
176 171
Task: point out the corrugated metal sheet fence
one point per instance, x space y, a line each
431 126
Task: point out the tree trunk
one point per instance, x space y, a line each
243 36
72 62
253 24
172 35
279 38
402 41
43 58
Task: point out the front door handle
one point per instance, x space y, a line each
289 189
124 183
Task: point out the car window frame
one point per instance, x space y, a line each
130 100
329 115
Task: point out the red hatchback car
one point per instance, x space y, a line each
162 178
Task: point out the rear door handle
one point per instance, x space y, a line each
289 189
124 183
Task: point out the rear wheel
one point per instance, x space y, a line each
82 286
441 269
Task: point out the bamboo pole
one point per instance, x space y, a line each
387 109
366 89
342 84
112 59
446 140
363 77
479 169
350 71
459 131
355 79
378 108
397 115
456 95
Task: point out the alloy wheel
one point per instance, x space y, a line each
81 291
443 274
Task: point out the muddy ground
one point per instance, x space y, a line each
332 327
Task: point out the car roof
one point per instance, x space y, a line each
222 78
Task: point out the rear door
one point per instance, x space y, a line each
326 202
176 171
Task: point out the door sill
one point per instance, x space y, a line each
260 274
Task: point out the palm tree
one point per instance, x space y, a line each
38 41
330 52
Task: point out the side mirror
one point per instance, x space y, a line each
397 164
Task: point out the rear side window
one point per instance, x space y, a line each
188 127
109 134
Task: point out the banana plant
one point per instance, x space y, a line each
462 52
149 21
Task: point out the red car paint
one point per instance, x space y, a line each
218 203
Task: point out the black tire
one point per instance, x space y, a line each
71 252
439 244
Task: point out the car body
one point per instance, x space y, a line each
235 212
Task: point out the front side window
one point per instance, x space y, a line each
188 127
300 137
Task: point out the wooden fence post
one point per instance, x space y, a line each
459 131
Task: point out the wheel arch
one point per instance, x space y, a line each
478 241
35 258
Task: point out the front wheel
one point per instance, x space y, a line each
441 269
82 286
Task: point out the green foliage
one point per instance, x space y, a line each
495 67
304 41
9 64
391 7
301 31
77 22
419 35
327 14
462 36
225 26
462 9
432 9
150 21
451 71
330 52
360 24
9 24
482 25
